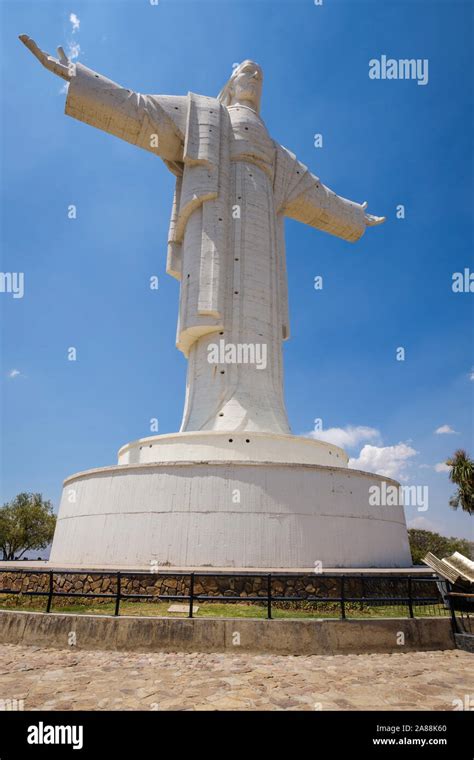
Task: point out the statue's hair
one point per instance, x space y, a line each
225 95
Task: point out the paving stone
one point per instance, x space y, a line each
62 680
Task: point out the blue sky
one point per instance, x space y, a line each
389 142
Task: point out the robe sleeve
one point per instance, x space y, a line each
305 199
152 122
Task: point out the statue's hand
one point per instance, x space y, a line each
62 68
370 219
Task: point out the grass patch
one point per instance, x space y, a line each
304 610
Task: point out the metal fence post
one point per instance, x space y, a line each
269 596
454 623
343 605
50 595
410 597
191 594
119 589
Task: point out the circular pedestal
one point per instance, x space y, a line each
227 514
233 447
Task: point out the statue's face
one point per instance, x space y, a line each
247 85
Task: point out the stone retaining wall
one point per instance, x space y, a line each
303 586
295 637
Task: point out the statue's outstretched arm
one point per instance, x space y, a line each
320 207
306 199
152 122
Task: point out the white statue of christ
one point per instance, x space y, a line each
234 186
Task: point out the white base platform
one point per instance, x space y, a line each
227 513
233 447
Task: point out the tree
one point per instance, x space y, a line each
462 473
424 541
27 522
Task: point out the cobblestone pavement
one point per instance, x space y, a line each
71 680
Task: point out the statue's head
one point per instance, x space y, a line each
244 86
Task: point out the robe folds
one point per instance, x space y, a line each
234 186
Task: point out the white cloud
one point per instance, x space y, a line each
421 523
391 461
347 437
440 467
445 430
73 50
14 373
471 374
75 21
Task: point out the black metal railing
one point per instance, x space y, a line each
462 603
409 599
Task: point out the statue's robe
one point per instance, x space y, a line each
234 186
